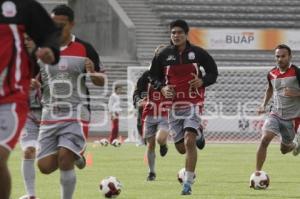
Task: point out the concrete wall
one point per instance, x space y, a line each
104 24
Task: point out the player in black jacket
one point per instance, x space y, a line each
175 71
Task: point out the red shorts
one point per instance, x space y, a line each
12 120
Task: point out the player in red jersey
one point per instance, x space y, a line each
16 18
175 71
283 120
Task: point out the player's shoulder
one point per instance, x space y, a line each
86 44
81 41
273 69
165 50
197 49
295 67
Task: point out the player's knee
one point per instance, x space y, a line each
151 146
66 160
180 147
190 141
45 169
29 153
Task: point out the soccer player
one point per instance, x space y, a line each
283 85
29 137
175 71
16 18
65 112
154 120
114 108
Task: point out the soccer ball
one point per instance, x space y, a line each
116 143
104 142
259 180
110 187
180 176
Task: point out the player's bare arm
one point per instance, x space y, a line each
289 92
267 97
96 77
46 55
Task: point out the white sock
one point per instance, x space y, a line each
28 173
151 161
296 144
189 177
68 183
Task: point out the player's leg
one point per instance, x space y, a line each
71 143
191 159
176 129
28 144
296 140
200 139
162 135
150 128
270 129
151 158
5 179
47 154
114 129
287 132
13 117
80 161
191 129
261 153
66 161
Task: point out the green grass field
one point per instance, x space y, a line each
223 172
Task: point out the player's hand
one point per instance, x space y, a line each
261 110
46 55
89 66
34 84
141 102
290 92
196 82
168 91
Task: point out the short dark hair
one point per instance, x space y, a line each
117 87
64 10
180 23
283 46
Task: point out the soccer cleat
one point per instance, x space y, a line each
187 190
28 197
80 162
151 176
200 141
296 150
163 150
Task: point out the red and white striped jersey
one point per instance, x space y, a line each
16 18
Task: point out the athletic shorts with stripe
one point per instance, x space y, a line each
284 128
70 135
31 132
151 124
182 118
12 121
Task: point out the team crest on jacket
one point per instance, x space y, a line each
9 9
171 58
191 55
